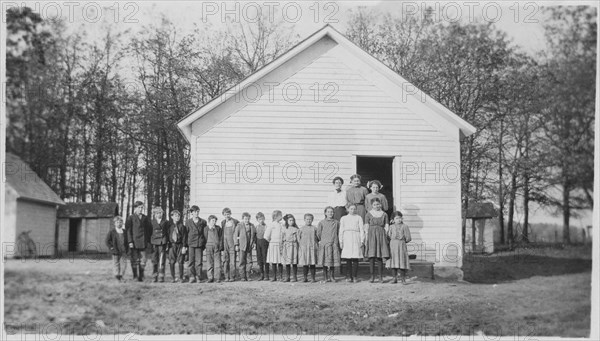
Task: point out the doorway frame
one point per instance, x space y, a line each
396 174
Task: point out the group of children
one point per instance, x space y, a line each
363 231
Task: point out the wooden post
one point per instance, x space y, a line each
473 237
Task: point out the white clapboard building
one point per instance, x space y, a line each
327 108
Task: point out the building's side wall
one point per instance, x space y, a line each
10 219
282 153
40 219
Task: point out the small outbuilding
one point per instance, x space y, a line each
479 238
82 227
30 212
323 109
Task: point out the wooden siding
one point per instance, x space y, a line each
40 219
307 135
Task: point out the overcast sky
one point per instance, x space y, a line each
520 20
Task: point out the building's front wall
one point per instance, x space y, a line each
252 160
40 219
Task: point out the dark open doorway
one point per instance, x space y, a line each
378 168
74 225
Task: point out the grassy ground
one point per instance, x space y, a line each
538 291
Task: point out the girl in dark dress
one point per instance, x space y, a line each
377 247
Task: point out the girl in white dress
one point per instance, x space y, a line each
352 237
273 236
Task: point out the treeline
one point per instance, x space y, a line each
96 118
534 113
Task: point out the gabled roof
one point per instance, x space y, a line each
185 124
89 210
26 183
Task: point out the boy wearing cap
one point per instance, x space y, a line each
138 229
177 235
196 242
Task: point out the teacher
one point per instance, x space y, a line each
337 199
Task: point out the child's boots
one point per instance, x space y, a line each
313 272
395 276
287 273
140 274
332 272
295 272
266 272
305 273
274 273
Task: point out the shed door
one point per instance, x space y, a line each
74 230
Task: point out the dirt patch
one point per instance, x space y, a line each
82 297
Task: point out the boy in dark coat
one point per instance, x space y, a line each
196 242
177 236
116 242
160 243
213 235
138 229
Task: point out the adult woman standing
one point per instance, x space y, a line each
337 199
356 195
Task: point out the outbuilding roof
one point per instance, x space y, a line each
89 210
26 183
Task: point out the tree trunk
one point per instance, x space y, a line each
526 208
566 212
511 209
501 185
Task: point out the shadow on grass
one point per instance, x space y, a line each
497 269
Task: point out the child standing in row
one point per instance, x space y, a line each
329 250
244 238
213 235
357 195
229 262
160 244
375 186
376 243
352 237
308 247
399 235
273 236
116 242
262 246
289 247
195 244
177 235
